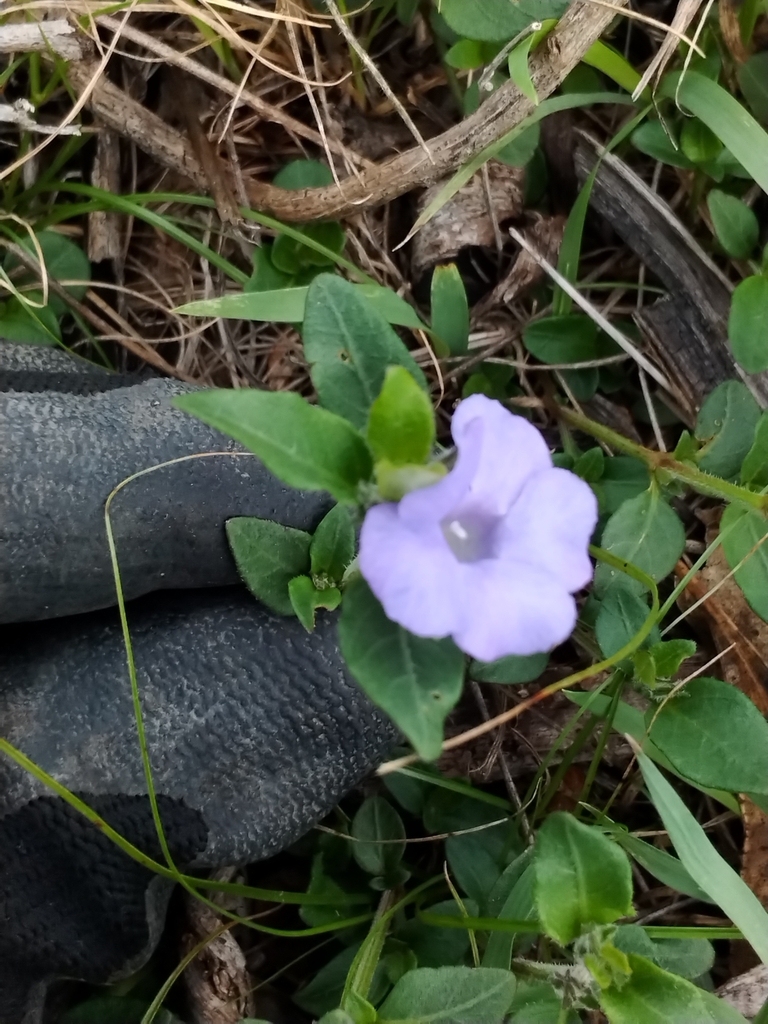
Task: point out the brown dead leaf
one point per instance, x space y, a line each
731 29
546 235
733 624
731 621
466 218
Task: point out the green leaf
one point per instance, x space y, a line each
265 277
582 878
726 117
613 64
288 305
726 424
303 174
510 670
268 556
392 306
705 865
515 887
520 151
27 324
646 532
450 309
690 958
486 20
653 139
333 545
466 55
754 468
562 339
64 261
306 598
748 324
744 536
662 865
698 142
449 995
438 947
324 991
753 80
670 654
289 254
380 839
305 446
590 465
349 347
394 482
477 859
292 256
519 71
623 478
704 731
652 996
630 721
621 615
735 224
401 424
281 305
415 681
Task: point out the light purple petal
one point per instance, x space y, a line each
550 526
512 609
511 450
435 502
523 528
412 572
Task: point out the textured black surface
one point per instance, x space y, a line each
61 454
254 729
72 904
254 732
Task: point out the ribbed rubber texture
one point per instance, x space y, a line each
254 731
61 454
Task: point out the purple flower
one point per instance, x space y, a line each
491 554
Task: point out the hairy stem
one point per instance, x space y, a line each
663 462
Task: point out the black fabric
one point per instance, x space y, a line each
255 730
72 904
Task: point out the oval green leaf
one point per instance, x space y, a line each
306 447
414 680
748 324
349 346
735 224
646 532
726 426
449 995
744 537
401 425
653 996
581 878
704 731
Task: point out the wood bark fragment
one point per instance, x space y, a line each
688 331
57 36
217 981
104 226
466 220
746 993
505 109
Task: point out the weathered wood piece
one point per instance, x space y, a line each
688 330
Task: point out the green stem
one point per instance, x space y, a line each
658 462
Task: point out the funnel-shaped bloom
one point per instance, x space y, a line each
491 554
